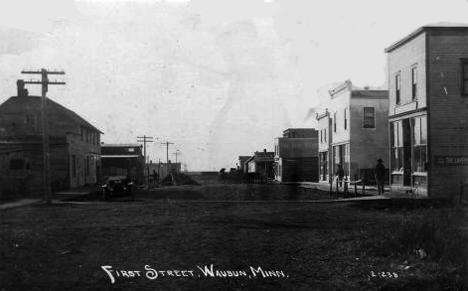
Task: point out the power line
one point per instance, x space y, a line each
44 82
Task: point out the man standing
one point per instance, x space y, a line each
340 174
379 173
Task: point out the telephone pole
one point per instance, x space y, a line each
176 153
44 82
167 150
145 139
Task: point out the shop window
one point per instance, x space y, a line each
419 144
396 138
73 165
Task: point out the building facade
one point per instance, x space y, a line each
428 110
296 156
123 160
352 132
74 147
262 164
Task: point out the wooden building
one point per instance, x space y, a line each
123 160
262 164
296 156
428 110
353 131
74 147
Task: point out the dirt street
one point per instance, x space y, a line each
209 238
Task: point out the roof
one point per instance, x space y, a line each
369 94
120 145
36 100
428 27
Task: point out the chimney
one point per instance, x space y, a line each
20 87
264 150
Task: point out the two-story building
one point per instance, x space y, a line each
353 131
74 146
296 156
428 110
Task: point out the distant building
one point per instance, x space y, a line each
123 160
261 163
353 131
296 156
428 113
242 163
74 147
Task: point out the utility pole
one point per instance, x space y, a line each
44 82
167 150
145 139
167 155
176 154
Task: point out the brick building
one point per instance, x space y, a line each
74 147
352 127
428 110
296 156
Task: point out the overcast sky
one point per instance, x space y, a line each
218 78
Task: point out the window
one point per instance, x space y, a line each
369 117
325 135
87 166
73 165
396 139
17 164
397 88
345 120
420 144
464 74
334 122
414 83
321 133
31 120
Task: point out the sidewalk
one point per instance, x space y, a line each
56 197
19 203
77 192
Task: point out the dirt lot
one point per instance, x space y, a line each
296 245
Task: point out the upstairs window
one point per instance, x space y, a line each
414 83
398 88
369 117
345 119
464 74
334 122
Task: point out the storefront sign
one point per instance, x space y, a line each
451 161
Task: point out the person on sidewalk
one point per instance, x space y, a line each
379 174
340 174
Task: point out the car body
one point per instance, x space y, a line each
114 186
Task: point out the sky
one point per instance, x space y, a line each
218 78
